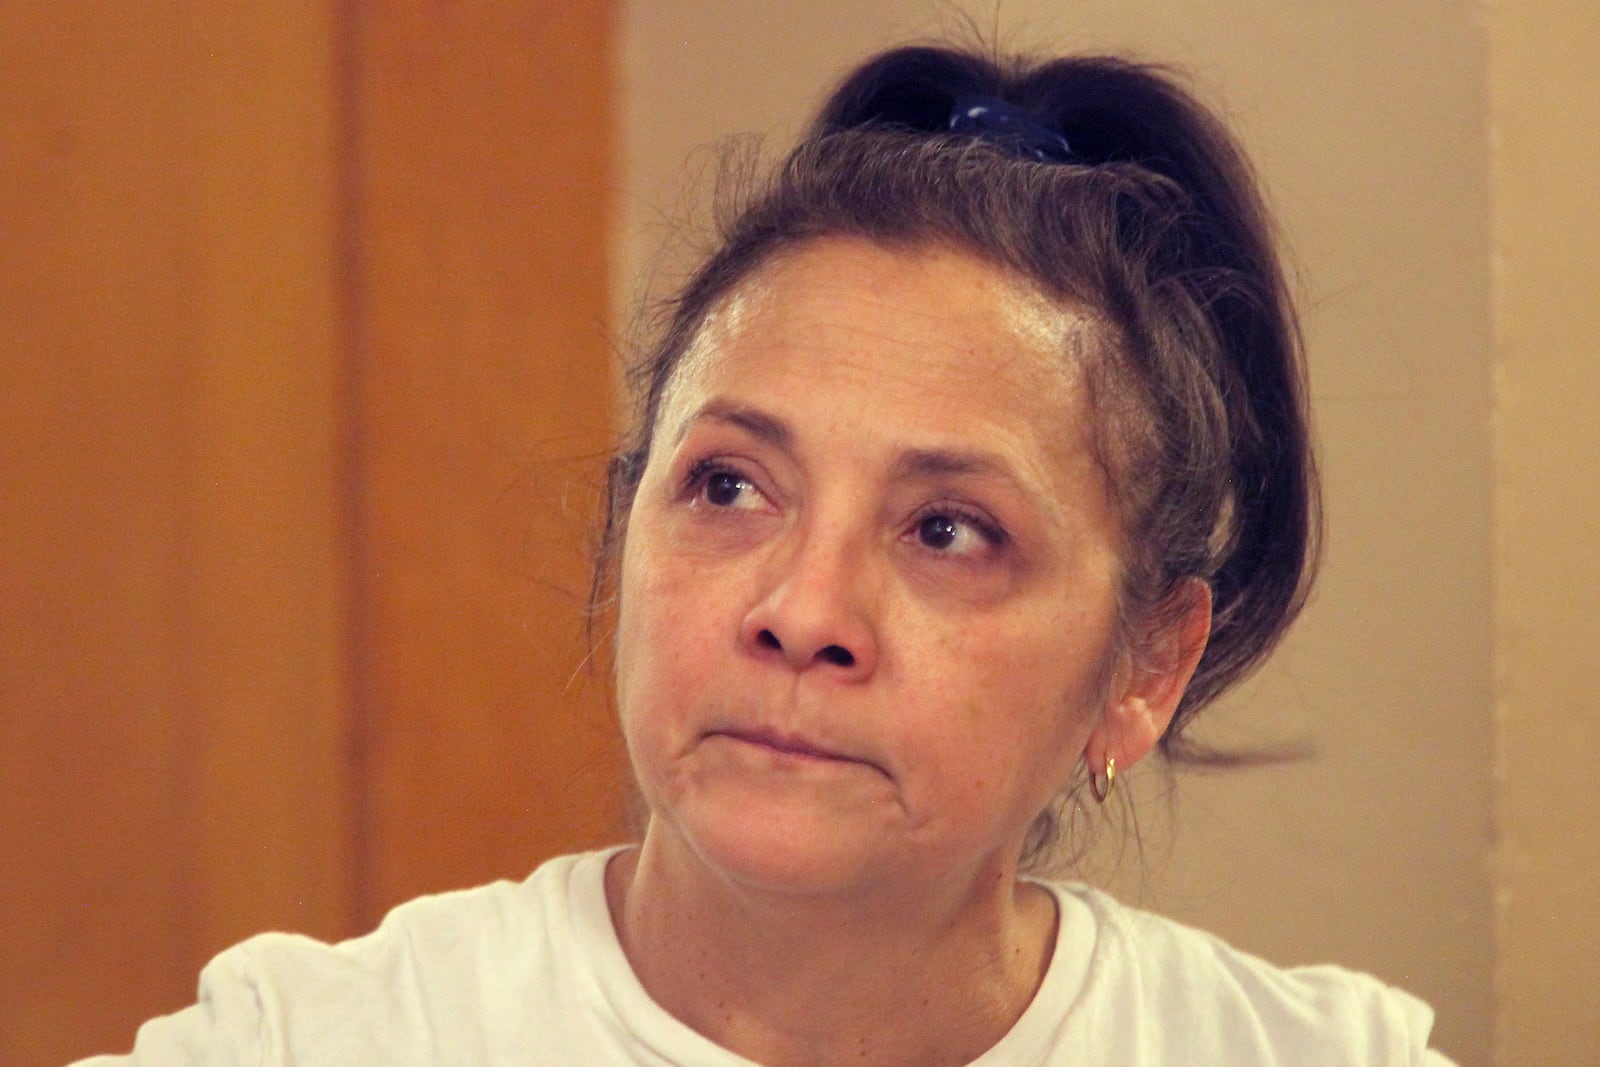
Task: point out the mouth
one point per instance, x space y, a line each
788 746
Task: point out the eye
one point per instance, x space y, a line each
723 487
956 533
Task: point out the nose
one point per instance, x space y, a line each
814 613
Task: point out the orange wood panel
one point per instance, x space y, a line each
267 557
482 193
302 394
173 690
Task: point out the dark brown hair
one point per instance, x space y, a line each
1153 228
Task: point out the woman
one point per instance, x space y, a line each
966 472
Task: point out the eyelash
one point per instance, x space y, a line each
701 473
986 528
991 533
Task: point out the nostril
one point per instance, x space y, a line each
838 656
835 655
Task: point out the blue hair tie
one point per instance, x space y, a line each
993 120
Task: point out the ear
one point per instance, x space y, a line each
1151 677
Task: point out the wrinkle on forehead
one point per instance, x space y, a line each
1019 309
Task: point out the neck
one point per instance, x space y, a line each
934 975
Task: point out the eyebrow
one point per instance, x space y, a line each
759 424
911 463
933 463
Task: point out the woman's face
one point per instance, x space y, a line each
868 588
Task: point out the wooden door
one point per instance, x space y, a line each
303 375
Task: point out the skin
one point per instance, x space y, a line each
867 630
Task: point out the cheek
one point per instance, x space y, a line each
638 628
637 649
1031 697
664 637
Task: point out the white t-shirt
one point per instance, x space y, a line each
533 973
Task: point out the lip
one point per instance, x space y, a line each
789 745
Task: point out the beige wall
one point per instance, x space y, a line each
1545 94
1369 124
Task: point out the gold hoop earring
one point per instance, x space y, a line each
1099 791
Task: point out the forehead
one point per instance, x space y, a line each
894 328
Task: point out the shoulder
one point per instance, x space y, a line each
448 974
1199 993
432 965
440 933
460 926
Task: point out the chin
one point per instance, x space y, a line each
777 849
